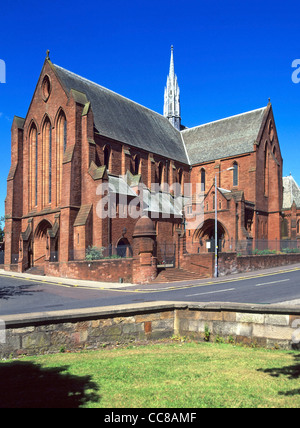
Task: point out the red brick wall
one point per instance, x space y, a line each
202 264
100 270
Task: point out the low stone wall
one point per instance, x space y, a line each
229 263
267 326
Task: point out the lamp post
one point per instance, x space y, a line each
216 221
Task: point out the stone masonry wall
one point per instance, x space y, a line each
267 326
229 263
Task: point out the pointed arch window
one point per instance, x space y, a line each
160 173
235 174
266 171
137 165
61 145
107 154
47 162
33 166
202 178
180 179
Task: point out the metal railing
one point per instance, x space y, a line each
251 246
101 253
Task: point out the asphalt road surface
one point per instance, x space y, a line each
25 295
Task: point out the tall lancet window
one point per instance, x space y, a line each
47 162
202 174
33 166
61 145
235 174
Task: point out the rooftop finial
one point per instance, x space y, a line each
47 54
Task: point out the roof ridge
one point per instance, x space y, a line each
223 119
110 91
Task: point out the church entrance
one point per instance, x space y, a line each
41 243
205 235
124 248
166 255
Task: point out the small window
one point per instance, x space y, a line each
107 157
235 174
202 172
46 88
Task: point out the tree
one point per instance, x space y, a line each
2 220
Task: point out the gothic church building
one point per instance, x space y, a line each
79 137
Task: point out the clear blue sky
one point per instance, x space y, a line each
230 57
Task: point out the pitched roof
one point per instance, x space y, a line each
291 192
232 136
121 119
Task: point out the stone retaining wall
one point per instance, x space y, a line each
267 326
229 263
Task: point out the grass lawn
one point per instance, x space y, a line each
166 375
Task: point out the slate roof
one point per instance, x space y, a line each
121 119
291 192
232 136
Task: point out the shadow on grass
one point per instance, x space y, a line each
28 385
291 372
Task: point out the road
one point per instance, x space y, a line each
25 295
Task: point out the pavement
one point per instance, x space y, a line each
65 281
100 285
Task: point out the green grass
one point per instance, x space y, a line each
182 375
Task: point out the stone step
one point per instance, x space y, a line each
36 270
175 274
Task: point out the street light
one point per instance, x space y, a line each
216 221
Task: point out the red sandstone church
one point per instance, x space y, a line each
81 144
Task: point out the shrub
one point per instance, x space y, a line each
290 250
94 253
257 252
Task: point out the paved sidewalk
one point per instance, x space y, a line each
65 281
146 287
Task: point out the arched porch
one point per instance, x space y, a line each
41 243
204 236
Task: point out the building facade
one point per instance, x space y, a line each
85 162
291 212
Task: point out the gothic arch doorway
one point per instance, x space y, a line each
41 242
205 235
124 248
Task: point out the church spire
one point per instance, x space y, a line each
172 96
172 68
